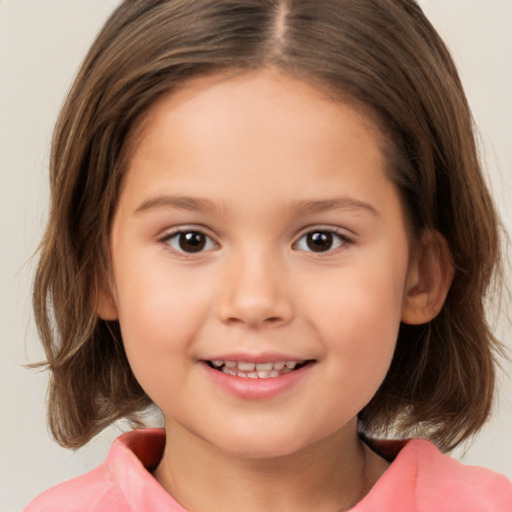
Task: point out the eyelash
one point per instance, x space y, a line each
334 236
177 236
327 235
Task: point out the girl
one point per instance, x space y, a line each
268 219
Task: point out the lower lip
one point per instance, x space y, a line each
257 389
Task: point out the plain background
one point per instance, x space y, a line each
41 45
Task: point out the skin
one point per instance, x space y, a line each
263 159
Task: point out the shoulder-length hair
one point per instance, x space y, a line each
383 54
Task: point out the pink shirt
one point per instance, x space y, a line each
420 479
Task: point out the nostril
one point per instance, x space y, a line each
273 320
254 306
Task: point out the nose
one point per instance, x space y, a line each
255 294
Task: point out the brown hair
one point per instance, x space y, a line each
381 53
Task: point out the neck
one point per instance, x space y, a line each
328 476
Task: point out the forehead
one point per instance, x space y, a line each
218 92
254 142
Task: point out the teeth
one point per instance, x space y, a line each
255 370
246 367
263 366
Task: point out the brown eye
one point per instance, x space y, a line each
320 241
190 241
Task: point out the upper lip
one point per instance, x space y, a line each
267 357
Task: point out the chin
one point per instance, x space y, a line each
265 444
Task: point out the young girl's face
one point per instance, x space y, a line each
260 263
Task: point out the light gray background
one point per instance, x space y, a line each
41 45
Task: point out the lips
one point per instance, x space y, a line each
252 370
259 377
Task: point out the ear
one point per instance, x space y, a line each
106 305
429 278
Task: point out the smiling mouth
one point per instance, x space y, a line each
257 370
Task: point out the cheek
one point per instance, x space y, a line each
160 310
359 322
362 300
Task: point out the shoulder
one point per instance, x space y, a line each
116 485
422 479
94 491
445 483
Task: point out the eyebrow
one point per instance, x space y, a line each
338 203
176 202
299 208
